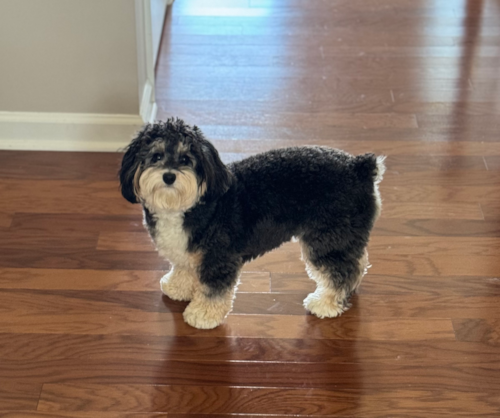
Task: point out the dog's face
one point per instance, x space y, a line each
171 166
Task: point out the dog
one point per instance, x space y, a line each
208 219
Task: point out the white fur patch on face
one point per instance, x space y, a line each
180 196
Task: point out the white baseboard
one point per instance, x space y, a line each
68 131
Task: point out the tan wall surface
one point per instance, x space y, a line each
77 56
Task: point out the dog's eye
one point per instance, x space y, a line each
184 160
156 157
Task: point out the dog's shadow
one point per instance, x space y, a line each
329 354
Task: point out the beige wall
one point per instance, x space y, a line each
77 56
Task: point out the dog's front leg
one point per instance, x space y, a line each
179 283
213 298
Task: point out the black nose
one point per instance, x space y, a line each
169 178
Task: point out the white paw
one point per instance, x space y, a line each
177 286
324 305
206 313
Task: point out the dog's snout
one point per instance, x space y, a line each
169 178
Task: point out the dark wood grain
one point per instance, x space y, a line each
220 400
438 227
478 330
51 241
53 258
58 166
421 264
388 306
374 284
43 348
64 196
366 377
18 395
76 222
85 331
105 414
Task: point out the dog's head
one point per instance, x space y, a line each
171 166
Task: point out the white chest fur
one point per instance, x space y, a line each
170 238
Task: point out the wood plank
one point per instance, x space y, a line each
76 222
106 280
476 123
466 178
442 265
384 147
392 208
146 347
325 37
52 241
124 304
374 306
355 97
57 166
5 220
368 377
349 377
369 67
374 284
440 194
255 400
101 414
410 163
47 348
79 279
65 196
492 162
323 133
370 17
125 241
437 227
490 209
477 330
266 90
130 321
458 246
254 282
16 395
45 258
403 264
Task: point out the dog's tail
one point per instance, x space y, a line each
369 166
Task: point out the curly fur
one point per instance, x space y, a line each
326 198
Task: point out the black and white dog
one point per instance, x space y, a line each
208 219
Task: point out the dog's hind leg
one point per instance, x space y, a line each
337 275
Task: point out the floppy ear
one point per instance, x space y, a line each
130 165
212 170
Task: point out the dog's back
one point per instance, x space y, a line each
300 181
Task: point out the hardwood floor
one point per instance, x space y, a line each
84 330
